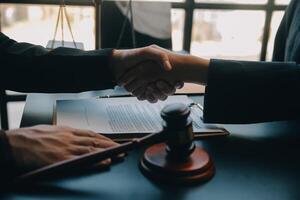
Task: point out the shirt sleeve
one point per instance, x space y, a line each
32 68
249 92
7 164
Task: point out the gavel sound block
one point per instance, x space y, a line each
178 160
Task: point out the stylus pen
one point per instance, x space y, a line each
87 160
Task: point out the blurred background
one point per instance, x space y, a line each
229 29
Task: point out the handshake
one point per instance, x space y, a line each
149 73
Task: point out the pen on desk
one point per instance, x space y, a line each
130 95
113 96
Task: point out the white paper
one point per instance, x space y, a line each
119 115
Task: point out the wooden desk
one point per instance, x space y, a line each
258 161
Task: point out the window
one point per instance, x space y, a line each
227 34
177 28
276 19
202 27
284 2
36 23
234 1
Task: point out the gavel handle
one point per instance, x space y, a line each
89 159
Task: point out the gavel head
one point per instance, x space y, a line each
179 131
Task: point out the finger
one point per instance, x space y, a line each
118 158
128 77
161 57
156 92
160 48
104 143
134 85
121 155
139 92
91 134
105 162
102 165
165 88
94 142
150 97
179 84
142 97
81 150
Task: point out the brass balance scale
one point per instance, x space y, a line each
63 17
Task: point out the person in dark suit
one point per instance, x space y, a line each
31 68
242 91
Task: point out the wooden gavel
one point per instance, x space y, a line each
178 150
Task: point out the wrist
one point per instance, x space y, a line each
113 62
192 69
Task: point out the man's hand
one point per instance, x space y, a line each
139 70
149 82
43 145
124 60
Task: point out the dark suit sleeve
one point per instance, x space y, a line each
7 164
249 92
30 68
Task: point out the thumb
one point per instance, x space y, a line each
155 54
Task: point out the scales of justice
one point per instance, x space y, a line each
62 19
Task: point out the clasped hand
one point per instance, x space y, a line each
145 72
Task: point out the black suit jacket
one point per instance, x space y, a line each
248 92
30 68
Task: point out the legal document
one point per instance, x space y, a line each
120 115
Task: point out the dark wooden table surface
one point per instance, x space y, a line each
258 161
